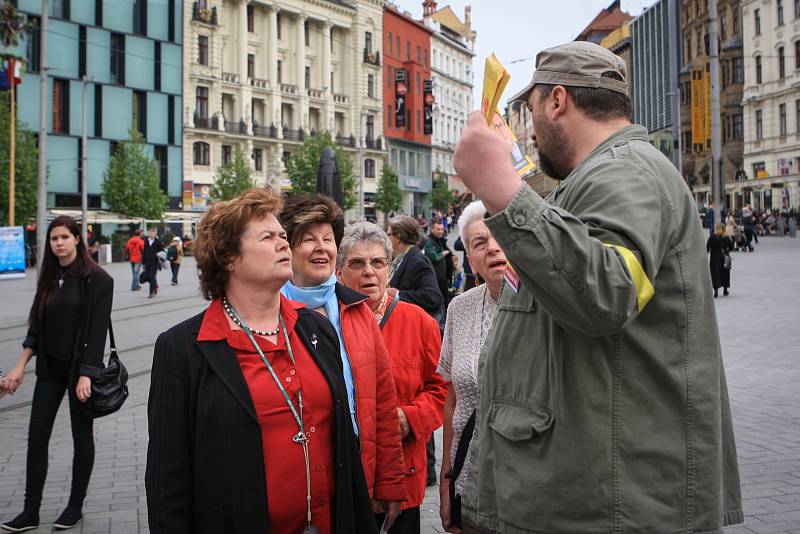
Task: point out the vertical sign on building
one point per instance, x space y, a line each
427 92
698 117
400 91
707 106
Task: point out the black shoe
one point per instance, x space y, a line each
21 523
430 481
68 519
715 293
725 292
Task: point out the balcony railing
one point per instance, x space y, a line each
341 99
316 93
294 135
230 77
260 83
288 89
204 14
270 131
236 127
346 141
206 123
373 58
375 144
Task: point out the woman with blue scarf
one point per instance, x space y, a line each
314 226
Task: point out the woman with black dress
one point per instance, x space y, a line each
719 246
67 331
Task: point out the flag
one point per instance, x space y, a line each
12 71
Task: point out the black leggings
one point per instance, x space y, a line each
47 398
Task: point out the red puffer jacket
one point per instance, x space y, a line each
413 340
376 400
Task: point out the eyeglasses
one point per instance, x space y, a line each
359 264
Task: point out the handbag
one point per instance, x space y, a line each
458 465
727 262
110 387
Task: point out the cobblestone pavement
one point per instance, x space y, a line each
761 342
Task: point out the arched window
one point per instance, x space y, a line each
202 153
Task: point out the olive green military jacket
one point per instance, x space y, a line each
603 404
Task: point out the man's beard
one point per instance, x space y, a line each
551 140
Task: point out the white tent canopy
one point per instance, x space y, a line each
108 217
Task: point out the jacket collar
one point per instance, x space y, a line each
347 296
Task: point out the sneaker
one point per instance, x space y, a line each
68 519
23 522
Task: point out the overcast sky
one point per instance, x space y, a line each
515 30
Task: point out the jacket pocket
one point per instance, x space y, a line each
518 422
521 301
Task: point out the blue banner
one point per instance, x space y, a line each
12 252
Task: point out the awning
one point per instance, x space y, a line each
109 217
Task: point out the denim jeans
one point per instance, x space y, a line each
135 268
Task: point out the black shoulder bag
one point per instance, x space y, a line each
110 387
458 465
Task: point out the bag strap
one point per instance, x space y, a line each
112 344
463 446
388 312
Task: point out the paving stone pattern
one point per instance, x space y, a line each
759 329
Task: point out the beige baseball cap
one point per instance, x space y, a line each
577 64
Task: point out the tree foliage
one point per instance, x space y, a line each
303 164
131 184
440 196
26 167
232 178
388 197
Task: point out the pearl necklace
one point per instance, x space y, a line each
235 318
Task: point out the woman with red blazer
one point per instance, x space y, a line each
413 342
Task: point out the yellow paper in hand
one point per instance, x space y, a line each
495 80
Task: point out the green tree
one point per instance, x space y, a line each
232 178
440 196
303 164
131 183
388 197
26 167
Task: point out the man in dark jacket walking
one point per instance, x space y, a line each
437 251
152 246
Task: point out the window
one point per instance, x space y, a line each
278 25
307 78
796 9
408 50
201 103
306 33
699 44
81 51
419 86
60 9
723 26
258 159
759 125
251 66
368 42
332 74
251 20
371 86
226 154
797 53
202 153
171 119
425 58
139 118
418 121
157 66
390 115
370 127
98 110
285 158
397 42
782 129
797 115
160 155
140 17
118 58
419 55
60 106
369 168
758 69
98 12
738 126
781 63
779 6
738 70
688 49
202 49
33 44
171 21
757 21
389 42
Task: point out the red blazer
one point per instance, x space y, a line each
413 340
376 401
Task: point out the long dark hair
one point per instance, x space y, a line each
48 277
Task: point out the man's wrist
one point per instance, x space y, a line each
498 198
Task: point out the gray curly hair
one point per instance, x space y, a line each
362 231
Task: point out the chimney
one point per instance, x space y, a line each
428 8
468 16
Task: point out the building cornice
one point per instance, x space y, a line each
449 77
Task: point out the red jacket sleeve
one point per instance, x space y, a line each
389 474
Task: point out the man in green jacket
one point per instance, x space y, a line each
603 403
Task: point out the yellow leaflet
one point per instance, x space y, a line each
495 79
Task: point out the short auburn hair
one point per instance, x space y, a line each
219 235
303 211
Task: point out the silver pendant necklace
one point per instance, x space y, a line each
61 274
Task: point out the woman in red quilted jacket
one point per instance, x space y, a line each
314 226
413 341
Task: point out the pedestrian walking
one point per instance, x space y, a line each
67 329
133 251
437 251
719 247
413 342
174 255
151 261
469 320
607 295
314 225
411 275
249 427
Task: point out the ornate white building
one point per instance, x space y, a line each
265 74
452 45
771 103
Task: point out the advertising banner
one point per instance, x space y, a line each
400 91
427 92
697 105
12 252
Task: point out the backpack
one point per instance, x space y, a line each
172 253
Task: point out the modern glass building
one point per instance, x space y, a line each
130 52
